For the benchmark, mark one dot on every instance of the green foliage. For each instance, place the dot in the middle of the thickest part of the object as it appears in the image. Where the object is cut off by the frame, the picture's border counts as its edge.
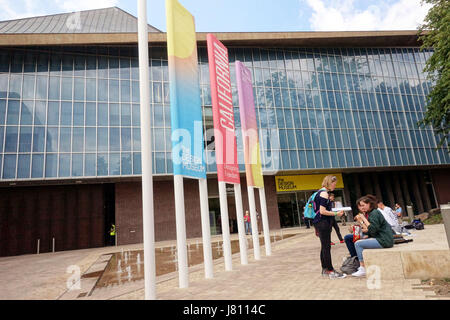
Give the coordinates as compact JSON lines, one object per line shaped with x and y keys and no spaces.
{"x":435,"y":33}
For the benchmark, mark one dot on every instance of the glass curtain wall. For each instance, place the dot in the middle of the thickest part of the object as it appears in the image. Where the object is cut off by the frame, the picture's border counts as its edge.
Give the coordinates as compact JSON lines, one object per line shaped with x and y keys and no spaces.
{"x":74,"y":111}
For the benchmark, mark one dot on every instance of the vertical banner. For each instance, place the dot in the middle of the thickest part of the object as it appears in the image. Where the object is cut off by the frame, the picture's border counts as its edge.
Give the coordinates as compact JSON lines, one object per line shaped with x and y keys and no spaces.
{"x":249,"y":126}
{"x":223,"y":116}
{"x":185,"y":103}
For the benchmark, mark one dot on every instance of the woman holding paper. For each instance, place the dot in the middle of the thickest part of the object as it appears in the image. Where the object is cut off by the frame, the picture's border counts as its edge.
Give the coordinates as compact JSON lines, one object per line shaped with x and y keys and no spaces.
{"x":323,"y":224}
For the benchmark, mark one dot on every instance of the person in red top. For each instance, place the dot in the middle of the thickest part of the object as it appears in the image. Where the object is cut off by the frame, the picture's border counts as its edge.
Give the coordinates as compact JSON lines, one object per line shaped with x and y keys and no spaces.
{"x":248,"y":227}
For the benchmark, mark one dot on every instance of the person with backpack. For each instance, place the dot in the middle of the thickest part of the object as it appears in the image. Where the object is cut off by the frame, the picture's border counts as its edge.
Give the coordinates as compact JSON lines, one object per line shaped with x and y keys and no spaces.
{"x":322,"y":220}
{"x":377,"y":229}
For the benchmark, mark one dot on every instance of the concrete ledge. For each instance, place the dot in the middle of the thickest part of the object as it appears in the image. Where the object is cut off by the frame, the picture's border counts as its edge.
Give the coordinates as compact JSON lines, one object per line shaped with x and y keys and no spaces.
{"x":428,"y":256}
{"x":397,"y":265}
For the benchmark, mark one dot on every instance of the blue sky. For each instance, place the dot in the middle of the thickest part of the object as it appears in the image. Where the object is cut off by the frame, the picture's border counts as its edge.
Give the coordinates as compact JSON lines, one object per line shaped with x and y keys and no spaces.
{"x":251,"y":15}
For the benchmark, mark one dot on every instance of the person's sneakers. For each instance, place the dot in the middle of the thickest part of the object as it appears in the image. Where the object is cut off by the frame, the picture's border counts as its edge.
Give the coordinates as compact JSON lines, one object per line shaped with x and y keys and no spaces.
{"x":332,"y":243}
{"x":342,"y":241}
{"x":333,"y":274}
{"x":360,"y":273}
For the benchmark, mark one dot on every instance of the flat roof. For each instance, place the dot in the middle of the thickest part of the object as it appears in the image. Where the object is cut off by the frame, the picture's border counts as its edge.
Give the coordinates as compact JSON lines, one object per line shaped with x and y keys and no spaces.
{"x":406,"y":38}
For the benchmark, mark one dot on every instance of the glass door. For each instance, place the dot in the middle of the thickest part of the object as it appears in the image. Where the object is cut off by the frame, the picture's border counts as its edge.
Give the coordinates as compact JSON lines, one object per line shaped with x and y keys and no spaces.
{"x":288,"y":210}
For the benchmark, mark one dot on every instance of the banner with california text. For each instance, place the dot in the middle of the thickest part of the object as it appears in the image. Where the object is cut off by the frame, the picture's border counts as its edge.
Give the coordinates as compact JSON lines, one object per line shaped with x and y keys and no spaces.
{"x":223,"y":115}
{"x":249,"y":126}
{"x":185,"y":103}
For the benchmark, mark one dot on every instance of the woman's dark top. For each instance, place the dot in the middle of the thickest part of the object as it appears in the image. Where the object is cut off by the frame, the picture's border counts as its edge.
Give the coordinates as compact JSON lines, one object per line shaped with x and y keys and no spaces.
{"x":319,"y":201}
{"x":380,"y":229}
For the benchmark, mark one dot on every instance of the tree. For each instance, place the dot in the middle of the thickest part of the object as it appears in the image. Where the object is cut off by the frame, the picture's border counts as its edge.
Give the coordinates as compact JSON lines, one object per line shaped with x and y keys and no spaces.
{"x":435,"y":33}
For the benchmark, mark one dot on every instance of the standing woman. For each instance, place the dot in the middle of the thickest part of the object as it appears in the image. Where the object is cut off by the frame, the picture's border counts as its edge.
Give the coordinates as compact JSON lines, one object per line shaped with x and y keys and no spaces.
{"x":323,"y":224}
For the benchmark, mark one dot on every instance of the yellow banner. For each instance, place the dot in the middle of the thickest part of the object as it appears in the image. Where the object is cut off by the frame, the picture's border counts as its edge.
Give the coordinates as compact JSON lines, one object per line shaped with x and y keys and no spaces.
{"x":305,"y":182}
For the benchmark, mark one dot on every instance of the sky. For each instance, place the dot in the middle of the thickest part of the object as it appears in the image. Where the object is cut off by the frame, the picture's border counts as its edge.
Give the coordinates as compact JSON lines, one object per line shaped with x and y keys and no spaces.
{"x":251,"y":15}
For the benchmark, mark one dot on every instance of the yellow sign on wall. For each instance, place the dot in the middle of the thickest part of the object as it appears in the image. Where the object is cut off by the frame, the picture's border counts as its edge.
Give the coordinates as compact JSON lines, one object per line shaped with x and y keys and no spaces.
{"x":305,"y":182}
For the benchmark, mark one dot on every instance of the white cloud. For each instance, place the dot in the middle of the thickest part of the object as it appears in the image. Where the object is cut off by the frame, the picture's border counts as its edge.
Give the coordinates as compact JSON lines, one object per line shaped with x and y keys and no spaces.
{"x":342,"y":15}
{"x":17,"y":9}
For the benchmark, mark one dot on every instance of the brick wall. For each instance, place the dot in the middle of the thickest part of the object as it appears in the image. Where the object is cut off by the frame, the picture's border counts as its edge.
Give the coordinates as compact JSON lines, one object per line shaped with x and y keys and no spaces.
{"x":129,"y":209}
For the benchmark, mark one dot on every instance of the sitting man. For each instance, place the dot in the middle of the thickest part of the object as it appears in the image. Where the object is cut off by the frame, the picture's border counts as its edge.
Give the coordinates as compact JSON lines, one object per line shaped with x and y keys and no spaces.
{"x":392,"y":219}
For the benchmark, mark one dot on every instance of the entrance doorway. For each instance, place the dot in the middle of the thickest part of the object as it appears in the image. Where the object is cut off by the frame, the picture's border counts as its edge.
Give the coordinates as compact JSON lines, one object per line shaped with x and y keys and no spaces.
{"x":291,"y":206}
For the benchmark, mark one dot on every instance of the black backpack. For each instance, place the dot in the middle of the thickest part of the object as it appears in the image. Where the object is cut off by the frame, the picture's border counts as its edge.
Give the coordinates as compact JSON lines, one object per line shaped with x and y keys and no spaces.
{"x":418,"y":224}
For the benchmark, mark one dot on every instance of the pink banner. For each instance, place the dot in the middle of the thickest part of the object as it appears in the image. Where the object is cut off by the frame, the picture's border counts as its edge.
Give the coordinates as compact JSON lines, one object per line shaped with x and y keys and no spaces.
{"x":223,"y":116}
{"x":249,"y":126}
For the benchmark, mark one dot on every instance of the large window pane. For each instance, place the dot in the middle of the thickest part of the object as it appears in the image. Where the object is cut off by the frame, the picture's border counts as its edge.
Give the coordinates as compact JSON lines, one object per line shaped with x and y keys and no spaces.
{"x":37,"y":168}
{"x":78,"y":139}
{"x":102,"y":92}
{"x":15,"y":86}
{"x":9,"y":166}
{"x":136,"y":115}
{"x":13,"y":112}
{"x":126,"y":164}
{"x":23,"y":166}
{"x":66,"y":88}
{"x":89,"y":165}
{"x":78,"y":114}
{"x":102,"y":164}
{"x":54,"y":88}
{"x":91,"y":139}
{"x":65,"y":139}
{"x":53,"y":113}
{"x":137,"y":168}
{"x":64,"y":165}
{"x":102,"y":141}
{"x":114,"y":139}
{"x":113,"y":90}
{"x":114,"y":117}
{"x":25,"y":139}
{"x":26,"y":113}
{"x":28,"y":87}
{"x":114,"y":164}
{"x":103,"y":114}
{"x":91,"y":90}
{"x":11,"y":139}
{"x":38,"y":139}
{"x":66,"y":114}
{"x":52,"y":140}
{"x":77,"y":165}
{"x":79,"y":89}
{"x":40,"y":112}
{"x":51,"y":165}
{"x":91,"y":114}
{"x":125,"y":91}
{"x":126,"y":139}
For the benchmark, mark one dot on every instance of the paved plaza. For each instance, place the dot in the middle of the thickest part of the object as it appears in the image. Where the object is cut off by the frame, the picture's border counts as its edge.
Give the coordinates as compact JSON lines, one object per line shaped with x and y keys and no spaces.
{"x":292,"y":272}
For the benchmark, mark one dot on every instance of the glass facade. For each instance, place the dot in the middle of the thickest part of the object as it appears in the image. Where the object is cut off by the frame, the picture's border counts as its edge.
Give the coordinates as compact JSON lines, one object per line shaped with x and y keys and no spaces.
{"x":74,"y":111}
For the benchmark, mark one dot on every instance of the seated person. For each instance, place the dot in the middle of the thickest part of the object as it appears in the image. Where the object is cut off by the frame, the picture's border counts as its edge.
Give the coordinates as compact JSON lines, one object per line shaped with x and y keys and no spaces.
{"x":378,"y":232}
{"x":392,"y":219}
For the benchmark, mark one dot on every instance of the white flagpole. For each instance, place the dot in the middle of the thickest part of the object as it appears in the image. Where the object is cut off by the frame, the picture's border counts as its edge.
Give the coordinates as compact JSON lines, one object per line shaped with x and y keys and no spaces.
{"x":265,"y":221}
{"x":146,"y":151}
{"x":183,"y":276}
{"x":254,"y":222}
{"x":206,"y":228}
{"x":225,"y":225}
{"x":240,"y":221}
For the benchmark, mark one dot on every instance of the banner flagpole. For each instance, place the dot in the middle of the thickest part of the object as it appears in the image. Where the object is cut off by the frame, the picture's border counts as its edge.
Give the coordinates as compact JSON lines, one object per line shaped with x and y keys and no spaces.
{"x":146,"y":150}
{"x":265,"y":221}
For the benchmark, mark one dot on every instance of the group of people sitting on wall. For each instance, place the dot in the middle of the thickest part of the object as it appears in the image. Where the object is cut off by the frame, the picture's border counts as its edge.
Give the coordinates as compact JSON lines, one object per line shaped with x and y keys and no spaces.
{"x":377,"y":222}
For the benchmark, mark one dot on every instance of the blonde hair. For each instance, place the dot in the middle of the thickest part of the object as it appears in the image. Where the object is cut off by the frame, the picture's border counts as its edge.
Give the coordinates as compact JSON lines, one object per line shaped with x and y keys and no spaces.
{"x":327,"y":181}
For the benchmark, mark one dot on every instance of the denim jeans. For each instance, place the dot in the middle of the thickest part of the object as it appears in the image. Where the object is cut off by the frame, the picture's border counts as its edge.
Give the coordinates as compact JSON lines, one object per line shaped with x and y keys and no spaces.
{"x":360,"y":245}
{"x":350,"y":245}
{"x":248,"y":228}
